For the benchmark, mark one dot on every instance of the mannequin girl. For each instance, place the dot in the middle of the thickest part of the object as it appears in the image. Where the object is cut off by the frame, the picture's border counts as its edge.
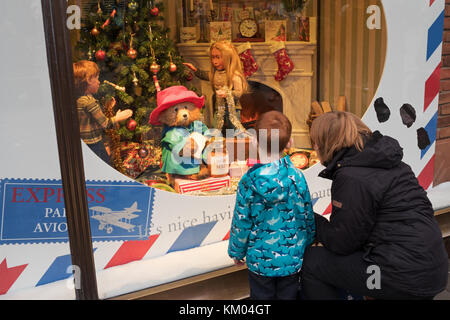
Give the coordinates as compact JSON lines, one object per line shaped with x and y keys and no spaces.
{"x":228,"y":82}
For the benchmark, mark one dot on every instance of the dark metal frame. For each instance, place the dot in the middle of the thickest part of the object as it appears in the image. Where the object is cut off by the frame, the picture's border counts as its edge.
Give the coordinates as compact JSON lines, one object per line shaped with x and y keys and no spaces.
{"x":59,"y":56}
{"x":319,"y":8}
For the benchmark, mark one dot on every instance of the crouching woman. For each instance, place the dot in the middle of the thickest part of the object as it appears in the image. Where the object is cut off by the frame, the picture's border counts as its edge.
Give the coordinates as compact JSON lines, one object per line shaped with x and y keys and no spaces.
{"x":382,"y":240}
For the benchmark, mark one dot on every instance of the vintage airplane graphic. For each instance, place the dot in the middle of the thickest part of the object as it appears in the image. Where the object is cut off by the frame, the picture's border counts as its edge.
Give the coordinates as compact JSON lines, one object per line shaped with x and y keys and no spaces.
{"x":109,"y":218}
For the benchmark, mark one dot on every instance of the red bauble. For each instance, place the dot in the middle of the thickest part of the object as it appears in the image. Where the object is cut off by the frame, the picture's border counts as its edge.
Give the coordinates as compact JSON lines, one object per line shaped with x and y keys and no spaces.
{"x":132,"y":53}
{"x":100,"y":55}
{"x":172,"y":67}
{"x":131,"y":124}
{"x":154,"y":11}
{"x":189,"y":76}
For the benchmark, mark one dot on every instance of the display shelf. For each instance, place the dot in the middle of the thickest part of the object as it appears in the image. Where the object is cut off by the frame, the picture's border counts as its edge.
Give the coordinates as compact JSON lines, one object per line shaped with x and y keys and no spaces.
{"x":224,"y":284}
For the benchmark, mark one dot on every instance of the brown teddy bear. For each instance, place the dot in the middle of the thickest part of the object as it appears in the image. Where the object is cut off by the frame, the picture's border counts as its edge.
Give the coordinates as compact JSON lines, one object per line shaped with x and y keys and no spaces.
{"x":183,"y":137}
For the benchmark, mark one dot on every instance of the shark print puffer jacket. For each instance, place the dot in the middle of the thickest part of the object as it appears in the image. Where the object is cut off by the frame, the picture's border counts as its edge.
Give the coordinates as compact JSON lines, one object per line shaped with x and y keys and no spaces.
{"x":273,"y":220}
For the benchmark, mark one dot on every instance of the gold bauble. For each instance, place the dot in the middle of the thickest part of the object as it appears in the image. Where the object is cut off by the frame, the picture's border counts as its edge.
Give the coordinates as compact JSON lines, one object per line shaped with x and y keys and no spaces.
{"x":154,"y":68}
{"x":132,"y":53}
{"x":95,"y":32}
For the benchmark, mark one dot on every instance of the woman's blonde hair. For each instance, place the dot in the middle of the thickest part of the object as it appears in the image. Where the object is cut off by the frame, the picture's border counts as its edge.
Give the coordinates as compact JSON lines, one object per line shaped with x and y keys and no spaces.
{"x":83,"y":71}
{"x":231,"y":62}
{"x":336,"y":130}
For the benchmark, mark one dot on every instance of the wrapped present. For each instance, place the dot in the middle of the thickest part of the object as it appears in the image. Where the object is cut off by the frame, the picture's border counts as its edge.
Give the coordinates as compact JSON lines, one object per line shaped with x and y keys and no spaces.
{"x":138,"y":156}
{"x":251,"y":162}
{"x":210,"y":184}
{"x":238,"y":168}
{"x":235,"y":183}
{"x":126,"y":147}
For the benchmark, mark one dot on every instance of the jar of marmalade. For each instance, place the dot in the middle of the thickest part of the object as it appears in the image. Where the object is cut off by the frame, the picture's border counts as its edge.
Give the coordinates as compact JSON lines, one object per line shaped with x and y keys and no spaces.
{"x":218,"y":159}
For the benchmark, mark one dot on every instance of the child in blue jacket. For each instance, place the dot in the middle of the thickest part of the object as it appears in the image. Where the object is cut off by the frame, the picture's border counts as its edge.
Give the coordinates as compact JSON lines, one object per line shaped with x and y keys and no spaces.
{"x":273,"y":220}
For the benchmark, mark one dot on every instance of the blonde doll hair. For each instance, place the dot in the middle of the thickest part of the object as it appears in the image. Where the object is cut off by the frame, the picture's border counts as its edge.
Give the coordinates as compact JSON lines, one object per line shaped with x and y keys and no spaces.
{"x":231,"y":62}
{"x":336,"y":130}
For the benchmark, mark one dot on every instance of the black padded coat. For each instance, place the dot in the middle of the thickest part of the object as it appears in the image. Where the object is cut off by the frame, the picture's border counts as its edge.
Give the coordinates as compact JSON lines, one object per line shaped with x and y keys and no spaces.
{"x":379,"y":207}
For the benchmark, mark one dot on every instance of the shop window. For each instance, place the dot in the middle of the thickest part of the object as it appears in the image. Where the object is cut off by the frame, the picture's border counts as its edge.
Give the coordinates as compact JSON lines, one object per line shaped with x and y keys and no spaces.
{"x":337,"y":49}
{"x":327,"y":53}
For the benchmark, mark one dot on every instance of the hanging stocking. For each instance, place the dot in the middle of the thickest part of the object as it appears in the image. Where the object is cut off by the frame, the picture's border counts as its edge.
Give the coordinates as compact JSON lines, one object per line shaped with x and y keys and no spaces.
{"x":285,"y":64}
{"x":248,"y":61}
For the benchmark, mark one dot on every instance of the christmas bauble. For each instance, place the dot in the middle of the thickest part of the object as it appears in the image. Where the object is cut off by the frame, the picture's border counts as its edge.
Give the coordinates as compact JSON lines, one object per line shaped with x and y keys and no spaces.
{"x":132,"y":5}
{"x":155,"y":68}
{"x":131,"y":124}
{"x":172,"y":67}
{"x":143,"y":152}
{"x":95,"y":32}
{"x":100,"y":55}
{"x":154,"y":11}
{"x":132,"y":53}
{"x":189,"y":76}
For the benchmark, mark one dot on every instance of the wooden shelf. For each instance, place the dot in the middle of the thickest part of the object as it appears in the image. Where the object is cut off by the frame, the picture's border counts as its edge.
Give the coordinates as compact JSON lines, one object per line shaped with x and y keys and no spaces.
{"x":229,"y":283}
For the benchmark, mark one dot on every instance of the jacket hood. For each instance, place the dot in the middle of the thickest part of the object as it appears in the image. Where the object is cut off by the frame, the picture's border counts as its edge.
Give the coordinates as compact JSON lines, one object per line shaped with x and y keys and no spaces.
{"x":272,"y":180}
{"x":379,"y":152}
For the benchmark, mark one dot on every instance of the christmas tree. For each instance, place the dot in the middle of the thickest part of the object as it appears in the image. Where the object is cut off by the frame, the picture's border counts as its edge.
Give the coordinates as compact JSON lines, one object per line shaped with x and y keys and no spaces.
{"x":130,"y":44}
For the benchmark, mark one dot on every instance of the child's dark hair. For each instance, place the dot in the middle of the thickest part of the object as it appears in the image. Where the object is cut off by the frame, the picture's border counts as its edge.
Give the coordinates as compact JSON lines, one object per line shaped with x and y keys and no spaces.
{"x":271,"y":122}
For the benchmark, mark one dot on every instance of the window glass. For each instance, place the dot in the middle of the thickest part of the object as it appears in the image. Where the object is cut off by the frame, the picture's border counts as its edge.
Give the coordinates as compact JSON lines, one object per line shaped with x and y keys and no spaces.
{"x":157,"y":67}
{"x":141,"y":49}
{"x":34,"y":243}
{"x":154,"y":101}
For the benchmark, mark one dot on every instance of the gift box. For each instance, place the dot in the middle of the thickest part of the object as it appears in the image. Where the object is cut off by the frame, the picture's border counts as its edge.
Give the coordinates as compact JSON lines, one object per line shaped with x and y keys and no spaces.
{"x":210,"y":184}
{"x":251,"y":162}
{"x":238,"y":168}
{"x":138,"y":156}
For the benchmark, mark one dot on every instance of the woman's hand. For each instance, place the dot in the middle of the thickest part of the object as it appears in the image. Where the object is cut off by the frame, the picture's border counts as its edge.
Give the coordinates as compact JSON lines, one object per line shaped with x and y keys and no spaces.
{"x":190,"y":66}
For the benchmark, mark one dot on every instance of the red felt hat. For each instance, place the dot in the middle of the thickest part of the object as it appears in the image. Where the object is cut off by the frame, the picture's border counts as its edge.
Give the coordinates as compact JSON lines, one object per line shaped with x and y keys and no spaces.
{"x":172,"y":96}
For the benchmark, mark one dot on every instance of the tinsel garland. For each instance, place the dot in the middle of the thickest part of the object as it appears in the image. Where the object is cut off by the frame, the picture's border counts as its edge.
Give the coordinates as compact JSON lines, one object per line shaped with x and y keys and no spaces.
{"x":231,"y":111}
{"x":115,"y":142}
